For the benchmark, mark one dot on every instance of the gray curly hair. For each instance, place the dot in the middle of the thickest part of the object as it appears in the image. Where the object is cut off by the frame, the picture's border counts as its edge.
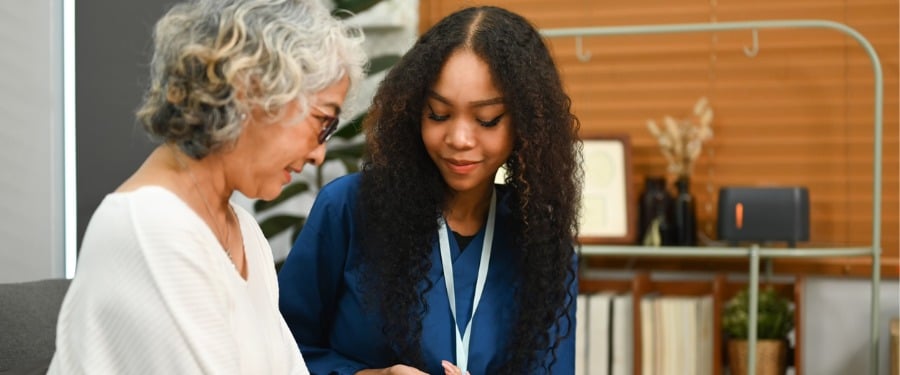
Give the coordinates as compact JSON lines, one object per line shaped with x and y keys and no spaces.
{"x":214,"y":60}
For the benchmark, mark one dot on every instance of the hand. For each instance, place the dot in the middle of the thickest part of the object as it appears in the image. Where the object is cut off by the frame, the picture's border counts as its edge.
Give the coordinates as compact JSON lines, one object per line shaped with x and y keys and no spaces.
{"x":393,"y":370}
{"x":451,"y":369}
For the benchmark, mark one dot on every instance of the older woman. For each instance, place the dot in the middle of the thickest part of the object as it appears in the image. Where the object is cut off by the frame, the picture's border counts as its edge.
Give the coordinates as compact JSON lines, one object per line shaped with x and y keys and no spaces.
{"x":172,"y":277}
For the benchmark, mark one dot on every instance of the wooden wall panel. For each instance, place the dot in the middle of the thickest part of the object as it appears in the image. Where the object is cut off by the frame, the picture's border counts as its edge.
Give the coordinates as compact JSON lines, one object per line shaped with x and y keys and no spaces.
{"x":798,"y":113}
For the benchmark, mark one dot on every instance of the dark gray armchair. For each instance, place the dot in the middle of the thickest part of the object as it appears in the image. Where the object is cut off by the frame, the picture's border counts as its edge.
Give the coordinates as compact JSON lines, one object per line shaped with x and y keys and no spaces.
{"x":28,"y":313}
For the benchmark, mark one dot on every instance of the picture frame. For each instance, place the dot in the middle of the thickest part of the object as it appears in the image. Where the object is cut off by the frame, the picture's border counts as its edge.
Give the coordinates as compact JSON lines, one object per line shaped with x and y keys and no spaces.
{"x":608,"y":213}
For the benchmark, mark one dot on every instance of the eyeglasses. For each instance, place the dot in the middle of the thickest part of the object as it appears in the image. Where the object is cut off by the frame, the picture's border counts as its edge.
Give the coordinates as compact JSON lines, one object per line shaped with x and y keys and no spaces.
{"x":328,"y":129}
{"x":329,"y":125}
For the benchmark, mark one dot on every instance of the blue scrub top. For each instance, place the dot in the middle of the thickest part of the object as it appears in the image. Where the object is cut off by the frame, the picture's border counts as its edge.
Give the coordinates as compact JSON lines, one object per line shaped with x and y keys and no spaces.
{"x":321,"y":300}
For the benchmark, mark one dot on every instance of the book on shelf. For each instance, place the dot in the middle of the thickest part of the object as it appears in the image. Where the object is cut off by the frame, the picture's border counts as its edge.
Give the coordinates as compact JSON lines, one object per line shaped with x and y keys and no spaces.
{"x":622,"y":348}
{"x":599,"y":307}
{"x":581,"y":322}
{"x":659,"y":340}
{"x":648,"y":344}
{"x":705,"y":336}
{"x":677,"y":335}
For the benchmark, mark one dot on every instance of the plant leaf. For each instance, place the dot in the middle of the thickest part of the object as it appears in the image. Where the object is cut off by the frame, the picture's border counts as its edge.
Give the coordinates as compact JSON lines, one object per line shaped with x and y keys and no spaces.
{"x":774,"y":319}
{"x":351,"y":164}
{"x":381,"y":63}
{"x":351,"y":129}
{"x":354,"y":6}
{"x":288,"y":192}
{"x":279,"y":223}
{"x":296,"y":232}
{"x":346,"y":151}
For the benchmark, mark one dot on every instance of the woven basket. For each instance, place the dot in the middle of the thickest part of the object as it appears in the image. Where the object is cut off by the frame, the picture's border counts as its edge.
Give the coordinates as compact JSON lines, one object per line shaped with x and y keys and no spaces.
{"x":771,"y":357}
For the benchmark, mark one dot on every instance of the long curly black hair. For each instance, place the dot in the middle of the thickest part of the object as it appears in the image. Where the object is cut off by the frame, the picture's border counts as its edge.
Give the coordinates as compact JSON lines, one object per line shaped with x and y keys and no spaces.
{"x":403,"y":194}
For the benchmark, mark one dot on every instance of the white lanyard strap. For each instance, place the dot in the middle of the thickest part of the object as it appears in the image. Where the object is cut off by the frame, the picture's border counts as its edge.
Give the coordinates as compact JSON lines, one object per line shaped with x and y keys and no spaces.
{"x":462,"y":341}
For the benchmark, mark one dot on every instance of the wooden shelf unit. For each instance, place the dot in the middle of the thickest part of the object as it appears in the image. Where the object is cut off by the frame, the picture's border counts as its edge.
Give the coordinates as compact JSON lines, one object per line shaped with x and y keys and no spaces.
{"x":718,"y":286}
{"x":754,"y":253}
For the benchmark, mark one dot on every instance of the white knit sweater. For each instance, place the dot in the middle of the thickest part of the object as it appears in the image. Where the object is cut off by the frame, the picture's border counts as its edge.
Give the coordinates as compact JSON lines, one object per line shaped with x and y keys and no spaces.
{"x":155,"y":293}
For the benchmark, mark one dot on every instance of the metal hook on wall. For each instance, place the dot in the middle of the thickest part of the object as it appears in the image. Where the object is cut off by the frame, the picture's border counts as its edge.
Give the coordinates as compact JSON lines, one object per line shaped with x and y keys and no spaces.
{"x":753,"y":50}
{"x":579,"y":50}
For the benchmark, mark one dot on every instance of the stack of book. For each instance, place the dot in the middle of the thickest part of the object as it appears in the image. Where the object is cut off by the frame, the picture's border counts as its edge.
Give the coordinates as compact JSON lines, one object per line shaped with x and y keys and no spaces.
{"x":676,"y":335}
{"x":604,"y":338}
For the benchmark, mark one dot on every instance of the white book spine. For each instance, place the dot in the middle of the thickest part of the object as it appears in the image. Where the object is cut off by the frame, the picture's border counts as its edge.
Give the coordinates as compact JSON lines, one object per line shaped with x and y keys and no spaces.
{"x":598,"y":334}
{"x":648,"y":343}
{"x":622,"y":361}
{"x":581,"y":324}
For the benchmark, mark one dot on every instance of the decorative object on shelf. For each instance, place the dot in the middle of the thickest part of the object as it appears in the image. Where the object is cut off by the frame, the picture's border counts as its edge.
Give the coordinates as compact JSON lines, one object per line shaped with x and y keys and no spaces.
{"x":764,"y":214}
{"x":684,"y":221}
{"x":655,"y":206}
{"x":681,"y":141}
{"x":774,"y":321}
{"x":607,"y":209}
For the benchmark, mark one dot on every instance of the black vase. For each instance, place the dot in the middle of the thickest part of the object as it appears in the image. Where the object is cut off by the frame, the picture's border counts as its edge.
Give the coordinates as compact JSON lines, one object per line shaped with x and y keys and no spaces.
{"x":656,"y":205}
{"x":684,"y":219}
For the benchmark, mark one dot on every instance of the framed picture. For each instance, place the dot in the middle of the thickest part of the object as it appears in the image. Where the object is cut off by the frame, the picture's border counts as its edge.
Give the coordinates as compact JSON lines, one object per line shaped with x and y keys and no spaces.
{"x":607,"y":201}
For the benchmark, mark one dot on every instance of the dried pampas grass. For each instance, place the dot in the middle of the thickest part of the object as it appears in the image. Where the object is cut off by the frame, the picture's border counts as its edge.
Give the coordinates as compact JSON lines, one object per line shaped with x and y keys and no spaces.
{"x":682,"y":140}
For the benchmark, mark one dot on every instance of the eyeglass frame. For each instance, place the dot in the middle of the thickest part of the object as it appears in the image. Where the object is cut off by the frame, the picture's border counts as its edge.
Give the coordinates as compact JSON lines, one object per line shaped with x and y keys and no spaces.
{"x":330,"y":127}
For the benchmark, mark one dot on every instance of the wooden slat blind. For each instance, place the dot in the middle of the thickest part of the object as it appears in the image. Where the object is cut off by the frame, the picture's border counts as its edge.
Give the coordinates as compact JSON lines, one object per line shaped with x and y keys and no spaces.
{"x":798,"y":113}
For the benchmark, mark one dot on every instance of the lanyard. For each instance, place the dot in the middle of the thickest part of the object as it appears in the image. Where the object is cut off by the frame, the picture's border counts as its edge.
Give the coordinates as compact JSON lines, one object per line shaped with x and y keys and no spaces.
{"x":462,"y":341}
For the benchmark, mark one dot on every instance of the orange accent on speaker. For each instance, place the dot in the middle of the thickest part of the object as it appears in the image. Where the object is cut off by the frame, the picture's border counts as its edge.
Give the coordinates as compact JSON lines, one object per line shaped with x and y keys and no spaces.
{"x":739,"y":215}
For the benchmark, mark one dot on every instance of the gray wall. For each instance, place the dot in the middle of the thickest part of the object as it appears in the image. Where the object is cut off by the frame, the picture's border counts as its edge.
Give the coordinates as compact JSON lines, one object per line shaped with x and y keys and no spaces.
{"x":31,"y":185}
{"x":836,"y":325}
{"x":113,"y":48}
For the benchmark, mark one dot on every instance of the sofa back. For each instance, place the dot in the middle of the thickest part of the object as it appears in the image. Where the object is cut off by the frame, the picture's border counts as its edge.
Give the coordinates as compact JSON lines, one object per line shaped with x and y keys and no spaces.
{"x":28,"y":315}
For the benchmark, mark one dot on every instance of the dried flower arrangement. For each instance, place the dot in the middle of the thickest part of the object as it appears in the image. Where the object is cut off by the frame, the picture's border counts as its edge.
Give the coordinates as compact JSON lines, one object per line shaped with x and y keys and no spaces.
{"x":682,"y":140}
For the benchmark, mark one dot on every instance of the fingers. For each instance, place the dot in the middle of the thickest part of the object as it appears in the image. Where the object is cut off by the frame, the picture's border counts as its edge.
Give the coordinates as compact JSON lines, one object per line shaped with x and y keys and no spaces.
{"x":405,"y":370}
{"x":450,"y":369}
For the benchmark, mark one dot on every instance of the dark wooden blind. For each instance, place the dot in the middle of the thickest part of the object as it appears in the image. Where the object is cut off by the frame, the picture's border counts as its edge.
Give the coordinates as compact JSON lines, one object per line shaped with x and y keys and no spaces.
{"x":799,"y":113}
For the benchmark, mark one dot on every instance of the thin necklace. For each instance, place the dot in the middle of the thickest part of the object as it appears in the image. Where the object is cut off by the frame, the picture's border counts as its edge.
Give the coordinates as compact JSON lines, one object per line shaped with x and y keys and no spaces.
{"x":208,"y":208}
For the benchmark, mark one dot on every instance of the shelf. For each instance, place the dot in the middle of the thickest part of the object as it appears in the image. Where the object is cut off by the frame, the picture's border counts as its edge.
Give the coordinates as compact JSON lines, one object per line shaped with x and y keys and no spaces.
{"x":724,"y":252}
{"x":718,"y":286}
{"x":755,"y":253}
{"x":857,"y":267}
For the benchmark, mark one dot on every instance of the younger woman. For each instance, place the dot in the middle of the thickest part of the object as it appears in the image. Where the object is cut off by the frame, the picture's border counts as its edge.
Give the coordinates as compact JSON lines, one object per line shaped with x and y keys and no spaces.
{"x":420,"y":262}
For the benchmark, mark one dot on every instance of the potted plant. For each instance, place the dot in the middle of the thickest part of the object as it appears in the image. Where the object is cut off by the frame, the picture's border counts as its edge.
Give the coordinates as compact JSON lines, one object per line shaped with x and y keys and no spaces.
{"x":775,"y":320}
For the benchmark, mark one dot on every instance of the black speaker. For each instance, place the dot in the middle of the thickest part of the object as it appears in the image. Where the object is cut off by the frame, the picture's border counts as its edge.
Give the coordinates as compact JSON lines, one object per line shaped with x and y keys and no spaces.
{"x":764,"y":214}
